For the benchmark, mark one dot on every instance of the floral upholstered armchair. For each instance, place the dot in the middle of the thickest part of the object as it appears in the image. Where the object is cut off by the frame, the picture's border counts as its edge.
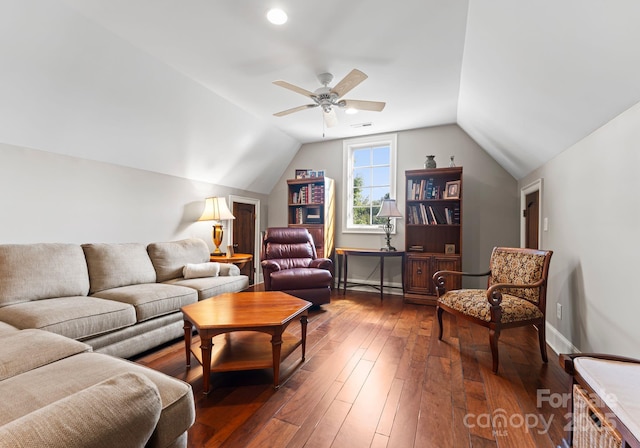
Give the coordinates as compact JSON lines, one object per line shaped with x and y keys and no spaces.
{"x":516,"y":295}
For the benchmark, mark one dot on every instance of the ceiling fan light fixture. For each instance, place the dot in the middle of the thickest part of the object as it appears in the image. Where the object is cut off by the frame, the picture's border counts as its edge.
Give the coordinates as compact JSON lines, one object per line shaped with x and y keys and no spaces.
{"x":277,"y":16}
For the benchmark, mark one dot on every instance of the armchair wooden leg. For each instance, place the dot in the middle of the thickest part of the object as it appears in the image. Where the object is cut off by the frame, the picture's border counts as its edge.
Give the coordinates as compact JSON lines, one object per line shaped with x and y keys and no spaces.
{"x":494,"y":335}
{"x":543,"y":341}
{"x":439,"y":312}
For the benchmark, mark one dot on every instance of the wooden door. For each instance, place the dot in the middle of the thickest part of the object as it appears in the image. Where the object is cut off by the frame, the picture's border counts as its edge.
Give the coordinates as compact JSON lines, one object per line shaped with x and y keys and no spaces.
{"x":532,"y":219}
{"x":244,"y":230}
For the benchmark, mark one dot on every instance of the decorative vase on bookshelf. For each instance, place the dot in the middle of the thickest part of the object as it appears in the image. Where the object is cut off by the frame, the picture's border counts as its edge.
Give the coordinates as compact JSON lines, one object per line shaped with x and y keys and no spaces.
{"x":430,"y":162}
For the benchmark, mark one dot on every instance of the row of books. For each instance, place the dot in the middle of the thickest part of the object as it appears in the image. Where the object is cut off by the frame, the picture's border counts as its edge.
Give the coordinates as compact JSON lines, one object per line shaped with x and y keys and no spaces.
{"x":308,"y":194}
{"x":422,"y":189}
{"x":421,"y":214}
{"x":309,"y":218}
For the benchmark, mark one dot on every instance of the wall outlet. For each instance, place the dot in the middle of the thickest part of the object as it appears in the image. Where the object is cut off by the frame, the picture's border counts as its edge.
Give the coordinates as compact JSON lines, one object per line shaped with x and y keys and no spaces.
{"x":559,"y":311}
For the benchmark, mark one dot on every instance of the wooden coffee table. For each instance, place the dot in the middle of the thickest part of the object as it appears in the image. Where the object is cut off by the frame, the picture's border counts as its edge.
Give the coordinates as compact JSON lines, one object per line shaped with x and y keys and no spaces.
{"x":245,"y":319}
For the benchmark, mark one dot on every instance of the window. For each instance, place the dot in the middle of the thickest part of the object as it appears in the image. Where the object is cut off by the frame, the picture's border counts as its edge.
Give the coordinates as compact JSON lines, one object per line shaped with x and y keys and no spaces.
{"x":369,"y":177}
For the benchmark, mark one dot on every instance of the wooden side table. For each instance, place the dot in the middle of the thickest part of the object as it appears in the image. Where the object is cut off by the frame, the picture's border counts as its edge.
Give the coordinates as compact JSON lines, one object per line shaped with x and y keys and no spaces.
{"x":238,"y":259}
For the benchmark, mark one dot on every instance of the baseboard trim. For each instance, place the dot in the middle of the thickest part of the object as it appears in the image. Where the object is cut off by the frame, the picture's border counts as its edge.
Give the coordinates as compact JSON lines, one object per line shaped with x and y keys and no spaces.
{"x":557,"y":341}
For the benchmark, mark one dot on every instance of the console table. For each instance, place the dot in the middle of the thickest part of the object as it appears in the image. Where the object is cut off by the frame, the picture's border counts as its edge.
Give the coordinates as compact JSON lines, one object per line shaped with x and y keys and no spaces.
{"x":343,"y":253}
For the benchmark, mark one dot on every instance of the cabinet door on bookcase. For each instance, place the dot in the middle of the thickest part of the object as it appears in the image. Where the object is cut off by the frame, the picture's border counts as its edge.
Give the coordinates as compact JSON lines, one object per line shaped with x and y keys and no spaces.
{"x":418,"y":269}
{"x":448,"y":263}
{"x":317,"y":232}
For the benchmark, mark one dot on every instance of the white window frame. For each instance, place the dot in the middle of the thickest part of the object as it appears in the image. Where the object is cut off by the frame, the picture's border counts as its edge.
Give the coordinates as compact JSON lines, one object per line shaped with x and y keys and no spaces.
{"x":348,"y":147}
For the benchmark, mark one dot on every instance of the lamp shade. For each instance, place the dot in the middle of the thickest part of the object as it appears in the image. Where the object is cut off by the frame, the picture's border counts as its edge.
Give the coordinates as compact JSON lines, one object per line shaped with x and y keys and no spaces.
{"x":388,"y":209}
{"x":215,"y":209}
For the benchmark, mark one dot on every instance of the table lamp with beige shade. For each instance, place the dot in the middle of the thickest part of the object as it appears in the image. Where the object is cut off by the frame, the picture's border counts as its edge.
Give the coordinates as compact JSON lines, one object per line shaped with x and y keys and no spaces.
{"x":215,"y":209}
{"x":388,"y":209}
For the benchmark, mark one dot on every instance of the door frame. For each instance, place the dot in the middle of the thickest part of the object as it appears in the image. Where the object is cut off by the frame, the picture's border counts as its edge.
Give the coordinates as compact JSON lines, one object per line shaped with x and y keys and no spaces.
{"x":257,"y":274}
{"x":534,"y":186}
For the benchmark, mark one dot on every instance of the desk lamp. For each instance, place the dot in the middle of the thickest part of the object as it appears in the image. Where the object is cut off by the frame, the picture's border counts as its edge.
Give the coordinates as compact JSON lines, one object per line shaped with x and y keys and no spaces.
{"x":215,"y":209}
{"x":388,"y":210}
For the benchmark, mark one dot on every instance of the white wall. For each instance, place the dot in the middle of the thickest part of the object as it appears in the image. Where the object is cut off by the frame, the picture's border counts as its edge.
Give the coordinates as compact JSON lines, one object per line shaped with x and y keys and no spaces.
{"x":71,"y":87}
{"x":490,"y":207}
{"x":591,"y":200}
{"x":47,"y":197}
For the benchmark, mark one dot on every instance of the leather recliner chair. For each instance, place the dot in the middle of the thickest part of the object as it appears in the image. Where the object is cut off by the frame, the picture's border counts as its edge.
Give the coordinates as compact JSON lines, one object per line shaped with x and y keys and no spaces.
{"x":290,"y":264}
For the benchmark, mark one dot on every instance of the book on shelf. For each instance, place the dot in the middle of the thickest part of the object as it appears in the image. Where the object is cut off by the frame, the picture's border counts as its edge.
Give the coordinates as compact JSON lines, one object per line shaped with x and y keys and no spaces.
{"x":416,"y":248}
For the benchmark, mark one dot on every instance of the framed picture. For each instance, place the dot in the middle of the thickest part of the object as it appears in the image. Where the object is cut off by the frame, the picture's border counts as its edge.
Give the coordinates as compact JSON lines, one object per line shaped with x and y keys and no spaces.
{"x":320,"y":173}
{"x":452,"y":190}
{"x":301,"y":174}
{"x":313,"y":174}
{"x":230,"y":252}
{"x":449,"y":248}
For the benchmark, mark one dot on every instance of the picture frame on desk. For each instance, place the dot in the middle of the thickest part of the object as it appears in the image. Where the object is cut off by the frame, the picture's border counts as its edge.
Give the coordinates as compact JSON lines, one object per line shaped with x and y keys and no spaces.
{"x":320,"y":173}
{"x":449,"y":248}
{"x":302,"y":174}
{"x":230,"y":252}
{"x":452,"y":190}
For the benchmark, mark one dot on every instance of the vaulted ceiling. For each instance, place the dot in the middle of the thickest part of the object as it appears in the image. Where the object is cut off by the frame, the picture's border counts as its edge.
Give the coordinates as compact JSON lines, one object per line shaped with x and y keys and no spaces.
{"x":525,"y":79}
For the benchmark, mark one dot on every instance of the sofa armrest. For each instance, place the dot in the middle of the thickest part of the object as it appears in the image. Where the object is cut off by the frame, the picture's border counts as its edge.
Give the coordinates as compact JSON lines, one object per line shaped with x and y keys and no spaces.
{"x":121,"y":411}
{"x":270,"y":265}
{"x":322,"y":263}
{"x":229,"y":270}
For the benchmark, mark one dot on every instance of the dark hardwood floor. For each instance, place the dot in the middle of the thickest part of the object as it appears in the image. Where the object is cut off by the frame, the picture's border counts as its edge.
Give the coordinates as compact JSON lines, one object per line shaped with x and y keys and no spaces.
{"x":377,"y":376}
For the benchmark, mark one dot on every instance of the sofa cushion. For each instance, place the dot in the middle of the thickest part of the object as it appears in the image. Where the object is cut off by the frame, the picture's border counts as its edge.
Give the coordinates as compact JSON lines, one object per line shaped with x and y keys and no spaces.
{"x":41,"y":271}
{"x":74,"y":317}
{"x":121,"y":411}
{"x":5,"y":328}
{"x":32,"y":390}
{"x":199,"y":270}
{"x":25,"y":350}
{"x":115,"y":265}
{"x":169,"y":258}
{"x":213,"y":286}
{"x":151,"y":299}
{"x":300,"y":278}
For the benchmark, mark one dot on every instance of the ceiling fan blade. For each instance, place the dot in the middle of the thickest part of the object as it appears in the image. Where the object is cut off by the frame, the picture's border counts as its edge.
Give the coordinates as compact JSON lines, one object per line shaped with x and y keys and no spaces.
{"x":350,"y":81}
{"x":295,"y":109}
{"x":330,"y":118}
{"x":375,"y":106}
{"x":296,"y":89}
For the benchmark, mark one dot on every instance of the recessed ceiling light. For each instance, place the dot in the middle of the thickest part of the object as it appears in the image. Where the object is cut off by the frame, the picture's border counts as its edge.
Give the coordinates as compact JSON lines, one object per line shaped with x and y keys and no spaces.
{"x":350,"y":111}
{"x":277,"y":16}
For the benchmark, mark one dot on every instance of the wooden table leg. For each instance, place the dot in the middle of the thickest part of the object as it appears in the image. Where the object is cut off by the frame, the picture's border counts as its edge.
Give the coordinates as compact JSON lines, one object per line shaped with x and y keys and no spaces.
{"x":188,"y":327}
{"x":303,"y":325}
{"x":205,"y":347}
{"x":381,"y":276}
{"x":339,"y":260}
{"x":276,"y":347}
{"x":344,"y":280}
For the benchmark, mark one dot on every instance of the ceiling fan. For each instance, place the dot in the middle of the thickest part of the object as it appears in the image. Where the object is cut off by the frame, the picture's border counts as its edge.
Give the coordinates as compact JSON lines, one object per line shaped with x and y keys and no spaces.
{"x":330,"y":97}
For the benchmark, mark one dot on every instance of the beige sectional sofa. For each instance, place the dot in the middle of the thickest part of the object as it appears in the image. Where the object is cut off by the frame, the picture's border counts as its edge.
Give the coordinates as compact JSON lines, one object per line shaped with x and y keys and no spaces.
{"x":57,"y":393}
{"x":121,"y":299}
{"x":66,"y":310}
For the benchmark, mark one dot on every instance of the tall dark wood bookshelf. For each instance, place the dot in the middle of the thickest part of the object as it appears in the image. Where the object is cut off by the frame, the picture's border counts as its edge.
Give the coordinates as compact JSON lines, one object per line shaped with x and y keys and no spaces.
{"x":433,"y":230}
{"x":311,"y":204}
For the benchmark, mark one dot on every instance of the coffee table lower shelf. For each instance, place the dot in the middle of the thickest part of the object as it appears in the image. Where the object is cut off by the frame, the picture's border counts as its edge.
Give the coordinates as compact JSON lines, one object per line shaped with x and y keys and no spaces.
{"x":245,"y":350}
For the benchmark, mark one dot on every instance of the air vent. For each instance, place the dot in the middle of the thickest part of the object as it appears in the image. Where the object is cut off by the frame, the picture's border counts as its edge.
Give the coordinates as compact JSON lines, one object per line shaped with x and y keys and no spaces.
{"x":361,"y":125}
